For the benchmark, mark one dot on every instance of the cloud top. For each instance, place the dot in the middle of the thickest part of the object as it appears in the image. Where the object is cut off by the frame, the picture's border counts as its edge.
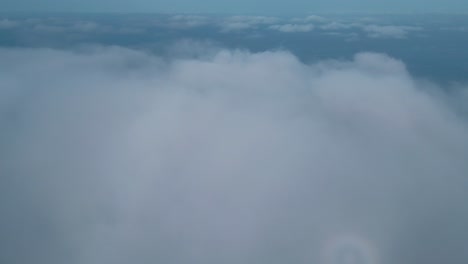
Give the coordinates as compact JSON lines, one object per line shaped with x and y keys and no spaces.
{"x":111,"y":155}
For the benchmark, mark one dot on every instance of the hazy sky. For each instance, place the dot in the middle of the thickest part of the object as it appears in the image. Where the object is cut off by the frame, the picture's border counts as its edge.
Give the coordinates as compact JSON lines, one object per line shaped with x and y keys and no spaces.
{"x":240,"y":6}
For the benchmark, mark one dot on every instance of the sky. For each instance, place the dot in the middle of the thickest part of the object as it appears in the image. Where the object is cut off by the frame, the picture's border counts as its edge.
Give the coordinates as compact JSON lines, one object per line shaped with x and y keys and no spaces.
{"x":241,"y":6}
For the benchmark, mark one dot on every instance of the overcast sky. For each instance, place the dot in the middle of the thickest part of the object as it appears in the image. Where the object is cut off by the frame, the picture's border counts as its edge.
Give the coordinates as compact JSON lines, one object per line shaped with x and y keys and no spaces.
{"x":240,"y":6}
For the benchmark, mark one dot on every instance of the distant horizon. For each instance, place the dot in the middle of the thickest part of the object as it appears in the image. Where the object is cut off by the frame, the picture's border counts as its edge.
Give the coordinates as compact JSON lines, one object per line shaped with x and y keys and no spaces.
{"x":238,"y":7}
{"x":286,"y":14}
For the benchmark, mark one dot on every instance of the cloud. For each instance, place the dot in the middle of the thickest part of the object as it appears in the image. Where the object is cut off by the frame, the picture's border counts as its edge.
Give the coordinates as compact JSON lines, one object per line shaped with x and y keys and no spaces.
{"x":8,"y":24}
{"x":367,"y":26}
{"x":72,"y":28}
{"x":89,"y":27}
{"x":253,"y":19}
{"x":338,"y":26}
{"x":316,"y":18}
{"x":238,"y":23}
{"x":235,"y":26}
{"x":399,"y":32}
{"x":311,"y":18}
{"x":457,"y":28}
{"x":111,"y":155}
{"x":50,"y":28}
{"x":290,"y":28}
{"x":348,"y":36}
{"x":188,"y":21}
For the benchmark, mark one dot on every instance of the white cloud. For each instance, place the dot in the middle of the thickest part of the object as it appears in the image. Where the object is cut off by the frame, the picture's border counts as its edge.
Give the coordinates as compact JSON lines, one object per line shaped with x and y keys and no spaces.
{"x":290,"y":28}
{"x":117,"y":156}
{"x":378,"y":31}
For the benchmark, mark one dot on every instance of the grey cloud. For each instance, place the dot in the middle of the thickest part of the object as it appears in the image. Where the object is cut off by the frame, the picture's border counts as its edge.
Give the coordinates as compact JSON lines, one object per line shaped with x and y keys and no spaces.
{"x":112,"y":155}
{"x":458,"y":28}
{"x":347,"y":36}
{"x":188,"y":21}
{"x":238,"y":23}
{"x":253,"y":19}
{"x":73,"y":27}
{"x":335,"y":25}
{"x":93,"y":27}
{"x":310,"y":18}
{"x":8,"y":23}
{"x":372,"y":30}
{"x":235,"y":26}
{"x":62,"y":25}
{"x":316,"y":18}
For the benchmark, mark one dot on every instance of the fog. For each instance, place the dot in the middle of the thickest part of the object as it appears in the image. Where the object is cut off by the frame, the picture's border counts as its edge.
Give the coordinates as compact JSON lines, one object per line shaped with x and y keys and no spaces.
{"x":112,"y":155}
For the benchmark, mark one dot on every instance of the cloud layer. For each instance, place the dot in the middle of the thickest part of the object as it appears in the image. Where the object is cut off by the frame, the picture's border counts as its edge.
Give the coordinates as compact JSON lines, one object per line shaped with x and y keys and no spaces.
{"x":376,"y":31}
{"x":289,"y":28}
{"x":111,"y":155}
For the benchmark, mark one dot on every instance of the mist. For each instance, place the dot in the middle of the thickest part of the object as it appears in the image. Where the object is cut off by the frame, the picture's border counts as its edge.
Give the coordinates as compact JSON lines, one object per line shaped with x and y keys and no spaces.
{"x":113,"y":155}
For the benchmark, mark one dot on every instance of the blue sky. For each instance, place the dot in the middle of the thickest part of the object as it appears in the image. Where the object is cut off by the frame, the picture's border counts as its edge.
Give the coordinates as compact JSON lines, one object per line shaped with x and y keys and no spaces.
{"x":240,"y":6}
